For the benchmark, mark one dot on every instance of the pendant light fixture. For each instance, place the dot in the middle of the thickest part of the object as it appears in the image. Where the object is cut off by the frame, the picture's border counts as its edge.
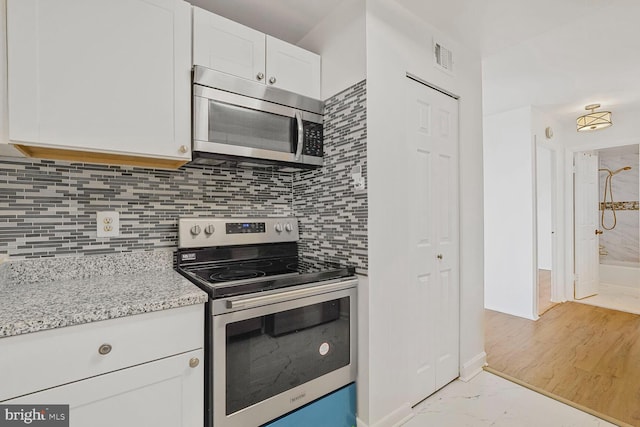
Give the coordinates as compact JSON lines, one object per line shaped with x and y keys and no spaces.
{"x":594,"y":120}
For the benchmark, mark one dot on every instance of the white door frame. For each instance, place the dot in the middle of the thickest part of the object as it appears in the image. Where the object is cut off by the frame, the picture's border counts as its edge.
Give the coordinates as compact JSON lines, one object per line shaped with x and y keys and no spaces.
{"x":569,"y":223}
{"x":555,"y":221}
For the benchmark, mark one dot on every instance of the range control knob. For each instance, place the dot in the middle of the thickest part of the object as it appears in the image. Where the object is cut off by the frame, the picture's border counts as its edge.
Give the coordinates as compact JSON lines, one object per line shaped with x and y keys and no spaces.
{"x":288,"y":227}
{"x":209,"y":229}
{"x":278,"y":227}
{"x":195,"y":230}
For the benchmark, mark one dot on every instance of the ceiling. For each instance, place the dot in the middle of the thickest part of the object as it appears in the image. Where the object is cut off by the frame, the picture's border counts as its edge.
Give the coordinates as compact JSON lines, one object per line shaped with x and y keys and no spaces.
{"x":558,"y":55}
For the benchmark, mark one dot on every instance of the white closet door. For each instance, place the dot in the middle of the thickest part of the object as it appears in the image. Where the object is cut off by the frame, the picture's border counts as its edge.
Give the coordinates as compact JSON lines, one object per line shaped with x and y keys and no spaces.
{"x":432,"y":132}
{"x":587,"y":277}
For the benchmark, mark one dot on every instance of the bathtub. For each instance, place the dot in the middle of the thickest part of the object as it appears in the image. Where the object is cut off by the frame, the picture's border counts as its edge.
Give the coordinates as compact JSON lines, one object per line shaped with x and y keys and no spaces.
{"x":621,"y":274}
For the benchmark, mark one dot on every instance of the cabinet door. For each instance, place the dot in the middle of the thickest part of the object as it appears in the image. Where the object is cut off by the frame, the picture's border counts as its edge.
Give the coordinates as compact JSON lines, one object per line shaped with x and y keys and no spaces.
{"x":102,"y":76}
{"x":225,"y":45}
{"x":164,"y":393}
{"x":292,"y":68}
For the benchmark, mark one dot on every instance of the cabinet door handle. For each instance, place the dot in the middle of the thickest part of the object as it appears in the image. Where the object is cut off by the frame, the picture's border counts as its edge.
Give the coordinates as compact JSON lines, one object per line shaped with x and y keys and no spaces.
{"x":193,"y":362}
{"x":104,"y":349}
{"x":272,"y":80}
{"x":184,"y":149}
{"x":439,"y":256}
{"x":260,"y":76}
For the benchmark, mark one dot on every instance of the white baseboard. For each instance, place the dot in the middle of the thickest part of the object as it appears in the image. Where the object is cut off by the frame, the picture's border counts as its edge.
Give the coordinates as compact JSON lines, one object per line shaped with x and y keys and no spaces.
{"x":394,"y":419}
{"x":473,"y":367}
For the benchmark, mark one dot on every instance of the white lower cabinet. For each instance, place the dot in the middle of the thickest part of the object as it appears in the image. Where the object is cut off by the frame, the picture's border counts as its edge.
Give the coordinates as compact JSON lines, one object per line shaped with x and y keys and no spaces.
{"x":164,"y":393}
{"x":135,"y":371}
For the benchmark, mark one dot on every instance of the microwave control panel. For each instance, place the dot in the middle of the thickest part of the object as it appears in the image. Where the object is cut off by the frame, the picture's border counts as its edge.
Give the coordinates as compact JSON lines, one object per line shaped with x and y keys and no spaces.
{"x":312,"y":139}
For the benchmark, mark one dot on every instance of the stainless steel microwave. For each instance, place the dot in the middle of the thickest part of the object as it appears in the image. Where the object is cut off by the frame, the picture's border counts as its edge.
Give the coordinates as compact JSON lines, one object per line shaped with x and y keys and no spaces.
{"x":245,"y":123}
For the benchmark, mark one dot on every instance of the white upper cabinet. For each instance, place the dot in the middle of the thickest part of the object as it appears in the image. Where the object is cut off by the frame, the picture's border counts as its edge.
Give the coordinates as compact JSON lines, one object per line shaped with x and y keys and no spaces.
{"x":293,"y":68}
{"x":225,"y":45}
{"x":97,"y":76}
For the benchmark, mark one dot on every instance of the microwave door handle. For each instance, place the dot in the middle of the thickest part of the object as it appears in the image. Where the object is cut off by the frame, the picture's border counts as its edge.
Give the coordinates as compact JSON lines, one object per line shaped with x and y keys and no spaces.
{"x":298,"y":116}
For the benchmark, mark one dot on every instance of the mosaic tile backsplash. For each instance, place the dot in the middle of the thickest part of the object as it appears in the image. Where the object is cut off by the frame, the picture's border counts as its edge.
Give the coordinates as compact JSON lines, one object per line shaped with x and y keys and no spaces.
{"x":333,"y":216}
{"x":48,"y":208}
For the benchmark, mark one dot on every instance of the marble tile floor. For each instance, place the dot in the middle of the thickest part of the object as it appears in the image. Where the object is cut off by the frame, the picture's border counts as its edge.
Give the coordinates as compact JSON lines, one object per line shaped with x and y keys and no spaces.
{"x":489,"y":400}
{"x":615,"y":297}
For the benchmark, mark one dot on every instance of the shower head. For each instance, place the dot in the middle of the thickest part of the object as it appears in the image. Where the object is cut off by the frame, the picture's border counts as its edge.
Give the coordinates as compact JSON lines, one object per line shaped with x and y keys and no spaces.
{"x":626,"y":168}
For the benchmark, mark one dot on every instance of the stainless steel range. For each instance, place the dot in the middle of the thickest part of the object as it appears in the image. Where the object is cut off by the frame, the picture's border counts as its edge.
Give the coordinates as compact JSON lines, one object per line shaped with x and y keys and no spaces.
{"x":281,"y":331}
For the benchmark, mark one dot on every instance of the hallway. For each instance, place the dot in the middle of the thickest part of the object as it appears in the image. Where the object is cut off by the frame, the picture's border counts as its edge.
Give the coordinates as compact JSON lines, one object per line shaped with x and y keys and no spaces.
{"x":587,"y":355}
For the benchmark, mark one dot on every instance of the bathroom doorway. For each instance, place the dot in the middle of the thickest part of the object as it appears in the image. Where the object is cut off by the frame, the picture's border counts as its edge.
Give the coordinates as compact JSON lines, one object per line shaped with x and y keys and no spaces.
{"x":607,"y":228}
{"x":545,"y":225}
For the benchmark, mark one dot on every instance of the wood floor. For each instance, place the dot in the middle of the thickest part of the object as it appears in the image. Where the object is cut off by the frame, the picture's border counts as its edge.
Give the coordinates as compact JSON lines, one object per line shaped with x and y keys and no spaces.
{"x":585,"y":354}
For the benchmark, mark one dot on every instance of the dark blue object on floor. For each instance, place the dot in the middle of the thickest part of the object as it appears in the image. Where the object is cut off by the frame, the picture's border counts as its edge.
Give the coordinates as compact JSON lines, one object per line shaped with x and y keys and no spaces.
{"x":337,"y":409}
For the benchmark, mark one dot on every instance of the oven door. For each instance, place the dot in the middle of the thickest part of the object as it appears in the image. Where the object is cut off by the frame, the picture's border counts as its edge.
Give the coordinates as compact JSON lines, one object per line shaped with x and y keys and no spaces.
{"x":229,"y":126}
{"x":271,"y":359}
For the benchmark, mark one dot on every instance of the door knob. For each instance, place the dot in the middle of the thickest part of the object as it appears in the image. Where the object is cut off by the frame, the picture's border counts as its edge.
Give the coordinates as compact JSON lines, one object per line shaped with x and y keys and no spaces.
{"x":599,"y":232}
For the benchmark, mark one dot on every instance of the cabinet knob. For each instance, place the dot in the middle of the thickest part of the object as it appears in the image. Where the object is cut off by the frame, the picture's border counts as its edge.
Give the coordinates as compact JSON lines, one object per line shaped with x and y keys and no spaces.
{"x":439,"y":256}
{"x":260,"y":76}
{"x":599,"y":232}
{"x":184,"y":149}
{"x":193,"y":362}
{"x":104,"y":349}
{"x":272,"y":80}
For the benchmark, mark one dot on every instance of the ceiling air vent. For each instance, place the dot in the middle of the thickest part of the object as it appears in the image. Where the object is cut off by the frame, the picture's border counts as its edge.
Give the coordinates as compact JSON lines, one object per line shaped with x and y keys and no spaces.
{"x":443,"y":57}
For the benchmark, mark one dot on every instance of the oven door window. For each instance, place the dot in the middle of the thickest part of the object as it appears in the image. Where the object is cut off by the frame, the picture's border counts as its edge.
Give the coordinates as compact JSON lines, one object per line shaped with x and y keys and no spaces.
{"x":268,"y":355}
{"x":236,"y":125}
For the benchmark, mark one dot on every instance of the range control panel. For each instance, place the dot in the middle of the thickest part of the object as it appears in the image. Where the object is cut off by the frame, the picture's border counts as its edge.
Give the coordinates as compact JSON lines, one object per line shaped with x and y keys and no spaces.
{"x":207,"y":232}
{"x":246,"y":227}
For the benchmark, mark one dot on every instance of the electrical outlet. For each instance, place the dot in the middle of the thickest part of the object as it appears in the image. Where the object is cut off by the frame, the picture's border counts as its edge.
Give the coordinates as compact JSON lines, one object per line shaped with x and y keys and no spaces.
{"x":357,"y":180}
{"x":108,"y":224}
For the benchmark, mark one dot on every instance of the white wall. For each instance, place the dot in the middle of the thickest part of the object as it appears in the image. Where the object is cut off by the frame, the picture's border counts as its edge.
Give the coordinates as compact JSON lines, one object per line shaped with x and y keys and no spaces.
{"x":508,"y":213}
{"x":398,"y":43}
{"x":341,"y":41}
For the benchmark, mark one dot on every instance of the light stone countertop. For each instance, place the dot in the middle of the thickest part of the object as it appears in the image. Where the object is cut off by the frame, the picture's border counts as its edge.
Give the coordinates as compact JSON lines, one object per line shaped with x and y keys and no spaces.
{"x":37,"y":295}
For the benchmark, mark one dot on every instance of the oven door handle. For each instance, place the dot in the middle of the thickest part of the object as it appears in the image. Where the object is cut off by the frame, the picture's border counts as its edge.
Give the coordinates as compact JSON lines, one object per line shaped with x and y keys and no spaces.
{"x":251,"y":302}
